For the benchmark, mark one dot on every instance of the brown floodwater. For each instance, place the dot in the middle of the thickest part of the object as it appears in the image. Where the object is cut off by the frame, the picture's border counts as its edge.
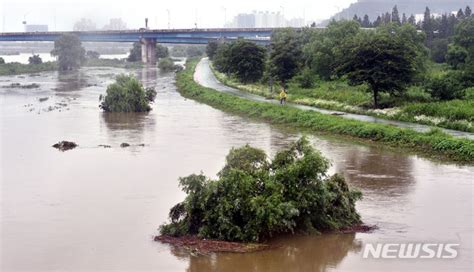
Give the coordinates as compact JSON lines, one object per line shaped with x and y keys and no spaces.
{"x":97,"y":209}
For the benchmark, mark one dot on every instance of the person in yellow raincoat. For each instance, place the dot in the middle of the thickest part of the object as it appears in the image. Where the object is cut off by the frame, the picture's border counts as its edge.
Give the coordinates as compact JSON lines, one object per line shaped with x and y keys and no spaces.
{"x":283,"y":96}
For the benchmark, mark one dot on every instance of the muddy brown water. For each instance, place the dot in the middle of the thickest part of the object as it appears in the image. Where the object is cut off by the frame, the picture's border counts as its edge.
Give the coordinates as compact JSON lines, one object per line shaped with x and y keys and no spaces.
{"x":97,"y":209}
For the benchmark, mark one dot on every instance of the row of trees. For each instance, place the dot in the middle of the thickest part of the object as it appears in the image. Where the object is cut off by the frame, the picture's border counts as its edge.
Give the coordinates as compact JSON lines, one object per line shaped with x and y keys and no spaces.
{"x":439,"y":30}
{"x":386,"y":59}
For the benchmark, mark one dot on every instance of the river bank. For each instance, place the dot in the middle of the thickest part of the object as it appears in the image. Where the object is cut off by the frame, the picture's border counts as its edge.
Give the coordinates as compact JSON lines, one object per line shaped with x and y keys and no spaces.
{"x":433,"y":143}
{"x":416,"y":107}
{"x":9,"y":69}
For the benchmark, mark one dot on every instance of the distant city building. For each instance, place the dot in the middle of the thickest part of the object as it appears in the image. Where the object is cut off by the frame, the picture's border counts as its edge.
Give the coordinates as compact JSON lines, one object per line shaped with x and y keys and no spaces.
{"x":245,"y":20}
{"x":263,"y":19}
{"x":36,"y":28}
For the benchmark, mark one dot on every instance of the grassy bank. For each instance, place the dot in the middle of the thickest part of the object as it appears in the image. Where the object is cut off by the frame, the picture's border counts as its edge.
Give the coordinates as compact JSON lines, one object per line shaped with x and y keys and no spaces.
{"x":8,"y":69}
{"x":117,"y":63}
{"x":415,"y":106}
{"x":434,"y":143}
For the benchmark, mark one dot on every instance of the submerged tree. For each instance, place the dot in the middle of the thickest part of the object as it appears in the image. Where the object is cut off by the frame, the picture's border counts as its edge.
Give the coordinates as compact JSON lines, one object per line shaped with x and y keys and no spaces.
{"x":70,"y":53}
{"x":35,"y":59}
{"x":136,"y":52}
{"x":254,"y":198}
{"x":127,"y":95}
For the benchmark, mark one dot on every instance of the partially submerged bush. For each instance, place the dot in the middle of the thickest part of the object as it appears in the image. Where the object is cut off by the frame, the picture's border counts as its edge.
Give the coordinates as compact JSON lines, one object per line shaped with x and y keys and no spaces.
{"x":254,"y":198}
{"x":35,"y":59}
{"x":126,"y":95}
{"x":166,"y":65}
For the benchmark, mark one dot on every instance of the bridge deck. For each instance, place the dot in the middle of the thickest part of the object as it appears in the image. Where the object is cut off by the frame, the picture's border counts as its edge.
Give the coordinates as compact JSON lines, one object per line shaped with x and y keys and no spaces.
{"x":197,"y":36}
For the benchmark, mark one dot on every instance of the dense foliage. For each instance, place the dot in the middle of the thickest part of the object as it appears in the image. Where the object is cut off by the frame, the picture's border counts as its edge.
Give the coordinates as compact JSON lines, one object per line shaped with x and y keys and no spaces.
{"x":2,"y":60}
{"x":166,"y":65}
{"x":69,"y":51}
{"x":127,"y":95}
{"x":254,"y":198}
{"x":384,"y":60}
{"x":211,"y":49}
{"x":35,"y":59}
{"x":432,"y":143}
{"x":136,"y":52}
{"x":286,"y":54}
{"x":243,"y":59}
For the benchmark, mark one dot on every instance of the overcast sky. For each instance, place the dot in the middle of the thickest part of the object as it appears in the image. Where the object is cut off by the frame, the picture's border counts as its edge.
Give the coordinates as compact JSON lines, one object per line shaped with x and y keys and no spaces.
{"x":61,"y":14}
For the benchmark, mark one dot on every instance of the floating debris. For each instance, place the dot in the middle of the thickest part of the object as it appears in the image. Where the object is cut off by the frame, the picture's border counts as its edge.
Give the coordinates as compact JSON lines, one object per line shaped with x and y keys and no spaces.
{"x":19,"y":85}
{"x":65,"y":145}
{"x":42,"y":99}
{"x":124,"y":145}
{"x":104,"y":146}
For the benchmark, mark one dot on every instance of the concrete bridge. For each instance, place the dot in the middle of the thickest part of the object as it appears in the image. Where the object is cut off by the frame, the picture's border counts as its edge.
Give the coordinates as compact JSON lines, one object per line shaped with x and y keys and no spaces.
{"x":149,"y":37}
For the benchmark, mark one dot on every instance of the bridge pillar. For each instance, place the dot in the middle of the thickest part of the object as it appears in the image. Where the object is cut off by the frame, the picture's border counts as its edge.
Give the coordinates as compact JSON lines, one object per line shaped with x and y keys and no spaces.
{"x":148,"y":51}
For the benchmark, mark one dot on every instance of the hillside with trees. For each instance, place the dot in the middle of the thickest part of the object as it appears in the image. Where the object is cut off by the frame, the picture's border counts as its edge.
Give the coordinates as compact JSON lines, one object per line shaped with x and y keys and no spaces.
{"x":374,"y":8}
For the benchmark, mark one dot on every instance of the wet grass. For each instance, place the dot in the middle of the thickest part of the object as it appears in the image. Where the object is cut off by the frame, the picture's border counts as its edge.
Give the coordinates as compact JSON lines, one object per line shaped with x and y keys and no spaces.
{"x":435,"y":143}
{"x":18,"y":68}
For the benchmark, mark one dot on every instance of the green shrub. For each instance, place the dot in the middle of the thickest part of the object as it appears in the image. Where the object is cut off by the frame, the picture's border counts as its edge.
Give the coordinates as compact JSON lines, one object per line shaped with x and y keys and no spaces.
{"x":166,"y":65}
{"x":35,"y":59}
{"x":305,"y":79}
{"x":254,"y":199}
{"x":469,"y":93}
{"x":150,"y":94}
{"x":126,"y":95}
{"x":447,"y":87}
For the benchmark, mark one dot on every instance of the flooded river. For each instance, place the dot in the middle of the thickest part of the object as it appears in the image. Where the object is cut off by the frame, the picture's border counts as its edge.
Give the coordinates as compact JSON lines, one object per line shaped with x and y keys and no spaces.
{"x":97,"y":209}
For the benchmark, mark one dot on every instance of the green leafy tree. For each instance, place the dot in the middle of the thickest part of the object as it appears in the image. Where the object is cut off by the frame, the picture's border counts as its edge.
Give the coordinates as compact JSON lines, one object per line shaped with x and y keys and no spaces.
{"x":468,"y":11}
{"x":366,"y":22}
{"x":221,"y":58}
{"x":247,"y":61}
{"x":383,"y":61}
{"x":254,"y":198}
{"x":439,"y":49}
{"x":135,"y":53}
{"x":2,"y":60}
{"x":286,"y":54}
{"x":161,"y":51}
{"x":395,"y":15}
{"x":427,"y":25}
{"x":35,"y":59}
{"x":456,"y":56}
{"x":211,"y":49}
{"x":126,"y":94}
{"x":244,"y":59}
{"x":447,"y":87}
{"x":69,"y":51}
{"x":324,"y":50}
{"x":166,"y":65}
